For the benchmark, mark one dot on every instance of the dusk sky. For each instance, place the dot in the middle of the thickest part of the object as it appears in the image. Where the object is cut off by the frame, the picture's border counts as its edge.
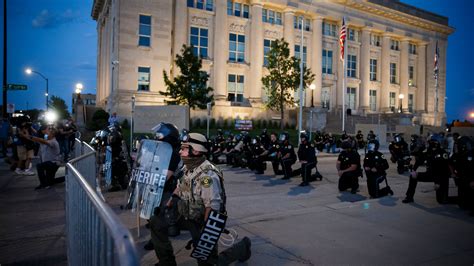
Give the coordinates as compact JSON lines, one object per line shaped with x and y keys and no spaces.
{"x":59,"y":39}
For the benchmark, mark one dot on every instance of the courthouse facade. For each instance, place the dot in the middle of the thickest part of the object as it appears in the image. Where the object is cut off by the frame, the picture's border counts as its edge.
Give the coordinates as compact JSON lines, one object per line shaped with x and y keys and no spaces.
{"x":390,"y":52}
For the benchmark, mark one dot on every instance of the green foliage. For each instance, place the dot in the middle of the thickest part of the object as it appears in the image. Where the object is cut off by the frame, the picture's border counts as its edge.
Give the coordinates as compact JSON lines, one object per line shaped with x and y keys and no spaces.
{"x":197,"y":123}
{"x":212,"y":123}
{"x":59,"y":106}
{"x":99,"y":120}
{"x":125,"y":124}
{"x":283,"y":78}
{"x":264,"y":123}
{"x":190,"y":86}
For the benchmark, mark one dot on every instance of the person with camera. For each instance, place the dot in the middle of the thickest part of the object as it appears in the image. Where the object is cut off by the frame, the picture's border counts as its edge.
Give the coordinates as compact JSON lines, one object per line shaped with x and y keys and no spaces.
{"x":199,"y":192}
{"x":375,"y":165}
{"x":49,"y":154}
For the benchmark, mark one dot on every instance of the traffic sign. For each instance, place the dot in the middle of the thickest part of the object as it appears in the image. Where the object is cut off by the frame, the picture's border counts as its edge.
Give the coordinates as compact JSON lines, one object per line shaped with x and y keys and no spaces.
{"x":17,"y":87}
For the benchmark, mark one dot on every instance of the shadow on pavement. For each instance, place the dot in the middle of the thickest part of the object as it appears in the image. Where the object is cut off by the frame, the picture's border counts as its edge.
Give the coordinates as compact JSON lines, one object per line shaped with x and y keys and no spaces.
{"x":295,"y":191}
{"x":348,"y":197}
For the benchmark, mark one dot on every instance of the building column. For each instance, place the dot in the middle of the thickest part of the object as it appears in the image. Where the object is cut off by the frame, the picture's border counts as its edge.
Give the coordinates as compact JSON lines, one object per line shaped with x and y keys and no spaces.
{"x":316,"y":62}
{"x":364,"y":71}
{"x":420,"y":79}
{"x":385,"y":72}
{"x":289,"y":30}
{"x":430,"y":81}
{"x":256,"y":53}
{"x":404,"y":76}
{"x":180,"y":32}
{"x":221,"y":46}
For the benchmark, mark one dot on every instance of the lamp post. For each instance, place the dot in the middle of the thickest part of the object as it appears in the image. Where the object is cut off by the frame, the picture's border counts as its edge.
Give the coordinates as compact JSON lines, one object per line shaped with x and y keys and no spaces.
{"x":312,"y":87}
{"x":400,"y":98}
{"x":79,"y":88}
{"x":29,"y":71}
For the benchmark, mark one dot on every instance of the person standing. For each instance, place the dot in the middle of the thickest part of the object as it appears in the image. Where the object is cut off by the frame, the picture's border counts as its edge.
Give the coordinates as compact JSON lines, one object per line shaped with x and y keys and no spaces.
{"x":199,"y":191}
{"x":462,"y":167}
{"x":437,"y":171}
{"x":348,"y":168}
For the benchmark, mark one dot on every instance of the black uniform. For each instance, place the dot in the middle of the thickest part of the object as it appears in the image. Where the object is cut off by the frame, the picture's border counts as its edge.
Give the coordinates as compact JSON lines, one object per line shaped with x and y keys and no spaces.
{"x":360,"y":140}
{"x":258,"y":160}
{"x":463,"y":169}
{"x":319,"y":141}
{"x":349,"y":179}
{"x":400,"y":155}
{"x":307,"y":153}
{"x":375,"y":159}
{"x":273,"y":152}
{"x":437,"y":171}
{"x":286,"y":163}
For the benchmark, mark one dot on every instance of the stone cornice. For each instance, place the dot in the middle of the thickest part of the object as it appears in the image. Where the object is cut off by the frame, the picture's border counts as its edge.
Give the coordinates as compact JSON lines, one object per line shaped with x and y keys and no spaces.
{"x":374,"y":9}
{"x":96,"y":8}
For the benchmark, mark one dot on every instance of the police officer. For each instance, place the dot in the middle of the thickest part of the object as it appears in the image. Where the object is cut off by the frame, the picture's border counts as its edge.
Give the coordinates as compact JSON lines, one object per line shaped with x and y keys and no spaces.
{"x":258,"y":156}
{"x":463,"y":171}
{"x":348,"y":168}
{"x":307,"y":157}
{"x":199,"y":191}
{"x":318,"y":141}
{"x":287,"y":155}
{"x":360,"y":140}
{"x":264,"y":138}
{"x":375,"y":165}
{"x":164,"y":219}
{"x":436,"y":160}
{"x":400,"y":154}
{"x":271,"y":153}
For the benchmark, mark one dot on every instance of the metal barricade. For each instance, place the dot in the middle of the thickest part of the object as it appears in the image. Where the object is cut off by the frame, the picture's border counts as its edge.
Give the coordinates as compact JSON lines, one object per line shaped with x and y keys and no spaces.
{"x":95,"y":235}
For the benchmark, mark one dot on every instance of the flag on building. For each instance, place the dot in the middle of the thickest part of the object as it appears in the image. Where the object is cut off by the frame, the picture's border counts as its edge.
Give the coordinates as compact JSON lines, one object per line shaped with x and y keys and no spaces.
{"x":342,"y":38}
{"x":436,"y":62}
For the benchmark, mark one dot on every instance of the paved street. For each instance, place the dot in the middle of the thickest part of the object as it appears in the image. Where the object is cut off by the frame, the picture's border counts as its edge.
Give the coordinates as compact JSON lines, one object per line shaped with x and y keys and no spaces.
{"x":288,"y":224}
{"x":317,"y":225}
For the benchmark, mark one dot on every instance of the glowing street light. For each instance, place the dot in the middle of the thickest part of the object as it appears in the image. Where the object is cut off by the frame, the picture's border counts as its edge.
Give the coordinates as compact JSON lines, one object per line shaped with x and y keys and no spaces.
{"x":29,"y":71}
{"x":312,"y":87}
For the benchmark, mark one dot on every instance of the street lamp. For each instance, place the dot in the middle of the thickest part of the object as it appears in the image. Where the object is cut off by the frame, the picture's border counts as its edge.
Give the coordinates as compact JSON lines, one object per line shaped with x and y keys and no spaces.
{"x":400,"y":97}
{"x":29,"y":71}
{"x":312,"y":87}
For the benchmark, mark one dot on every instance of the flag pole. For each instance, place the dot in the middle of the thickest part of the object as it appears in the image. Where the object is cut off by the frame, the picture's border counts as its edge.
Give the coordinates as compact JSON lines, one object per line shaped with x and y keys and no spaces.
{"x":436,"y":76}
{"x":344,"y":78}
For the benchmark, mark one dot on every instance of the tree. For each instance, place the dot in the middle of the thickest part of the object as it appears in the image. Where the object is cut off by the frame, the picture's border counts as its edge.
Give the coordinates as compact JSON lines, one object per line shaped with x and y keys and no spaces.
{"x":190,"y":87}
{"x":59,"y":106}
{"x":283,"y":78}
{"x":99,"y":120}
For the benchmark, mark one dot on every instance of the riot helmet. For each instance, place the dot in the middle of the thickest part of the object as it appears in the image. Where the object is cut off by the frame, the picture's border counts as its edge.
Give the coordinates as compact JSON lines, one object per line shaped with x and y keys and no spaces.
{"x":398,"y":138}
{"x":346,"y":145}
{"x":168,"y":133}
{"x":434,"y":141}
{"x":196,"y":141}
{"x":284,"y":136}
{"x":373,"y":145}
{"x":303,"y":136}
{"x":238,"y":137}
{"x":183,"y":133}
{"x":464,"y":145}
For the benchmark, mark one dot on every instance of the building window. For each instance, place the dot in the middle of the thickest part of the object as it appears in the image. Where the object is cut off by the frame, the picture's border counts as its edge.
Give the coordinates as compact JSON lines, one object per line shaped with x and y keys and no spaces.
{"x":144,"y":31}
{"x":393,"y":73}
{"x":298,"y":54}
{"x":199,"y":40}
{"x":375,"y":40}
{"x":373,"y":100}
{"x":373,"y":69}
{"x":143,"y":79}
{"x":329,"y":29}
{"x":394,"y":45}
{"x":267,"y":46}
{"x":353,"y":35}
{"x":351,"y":66}
{"x":412,"y":48}
{"x":235,"y":88}
{"x":237,"y":9}
{"x":327,"y":61}
{"x":298,"y":20}
{"x":236,"y":47}
{"x":351,"y":98}
{"x":202,"y":4}
{"x":411,"y":73}
{"x":392,"y":101}
{"x":410,"y":103}
{"x":272,"y":17}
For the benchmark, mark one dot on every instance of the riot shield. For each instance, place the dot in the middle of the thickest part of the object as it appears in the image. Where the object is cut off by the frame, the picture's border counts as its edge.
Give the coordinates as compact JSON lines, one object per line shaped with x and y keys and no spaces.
{"x":108,"y":167}
{"x":148,"y":177}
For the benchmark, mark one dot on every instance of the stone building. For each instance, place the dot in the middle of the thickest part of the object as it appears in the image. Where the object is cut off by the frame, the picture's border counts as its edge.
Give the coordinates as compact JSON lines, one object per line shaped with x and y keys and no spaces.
{"x":390,"y":53}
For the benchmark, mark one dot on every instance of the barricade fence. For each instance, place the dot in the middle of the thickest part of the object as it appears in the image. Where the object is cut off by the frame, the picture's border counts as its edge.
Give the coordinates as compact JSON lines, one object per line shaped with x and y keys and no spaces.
{"x":95,"y":235}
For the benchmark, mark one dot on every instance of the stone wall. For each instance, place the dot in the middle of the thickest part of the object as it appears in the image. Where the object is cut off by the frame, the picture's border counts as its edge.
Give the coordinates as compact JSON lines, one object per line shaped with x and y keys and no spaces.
{"x":146,"y":117}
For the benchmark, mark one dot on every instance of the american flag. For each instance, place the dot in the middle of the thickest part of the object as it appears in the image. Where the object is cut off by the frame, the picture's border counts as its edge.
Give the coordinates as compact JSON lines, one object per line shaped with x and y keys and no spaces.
{"x":436,"y":62}
{"x":342,"y":38}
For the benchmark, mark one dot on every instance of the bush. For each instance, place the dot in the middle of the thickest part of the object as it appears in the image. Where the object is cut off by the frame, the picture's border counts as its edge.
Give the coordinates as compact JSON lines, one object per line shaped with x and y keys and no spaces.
{"x":125,"y":124}
{"x":197,"y":123}
{"x":287,"y":126}
{"x":264,"y":123}
{"x":226,"y":124}
{"x":212,"y":123}
{"x":258,"y":124}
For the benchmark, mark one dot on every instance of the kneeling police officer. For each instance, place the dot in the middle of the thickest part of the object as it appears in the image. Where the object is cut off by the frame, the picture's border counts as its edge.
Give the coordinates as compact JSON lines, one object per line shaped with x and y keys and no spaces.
{"x":375,"y":165}
{"x":199,"y":191}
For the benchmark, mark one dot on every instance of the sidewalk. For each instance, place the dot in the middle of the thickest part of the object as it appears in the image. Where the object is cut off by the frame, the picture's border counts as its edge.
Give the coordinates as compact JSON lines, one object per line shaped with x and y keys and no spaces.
{"x":32,"y":230}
